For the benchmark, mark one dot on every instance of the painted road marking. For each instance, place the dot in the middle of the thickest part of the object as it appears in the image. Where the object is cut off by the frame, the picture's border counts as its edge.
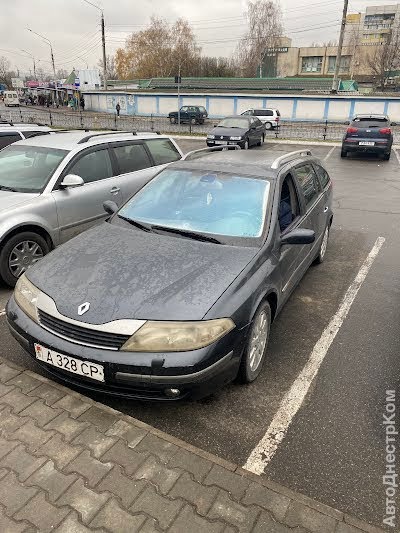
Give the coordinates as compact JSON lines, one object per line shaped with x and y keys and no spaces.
{"x":2,"y":312}
{"x":329,"y":153}
{"x":293,"y":399}
{"x":397,"y":155}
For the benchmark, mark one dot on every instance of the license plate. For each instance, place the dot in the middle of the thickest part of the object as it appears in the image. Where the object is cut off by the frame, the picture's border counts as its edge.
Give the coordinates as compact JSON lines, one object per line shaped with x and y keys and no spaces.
{"x":366,"y":143}
{"x":221,"y":142}
{"x":70,"y":364}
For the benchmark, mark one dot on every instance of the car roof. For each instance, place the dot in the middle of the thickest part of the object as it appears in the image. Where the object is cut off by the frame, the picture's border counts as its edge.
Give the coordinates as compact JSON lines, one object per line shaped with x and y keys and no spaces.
{"x":241,"y":162}
{"x":74,"y":139}
{"x":23,"y":127}
{"x":372,"y":116}
{"x":235,"y":116}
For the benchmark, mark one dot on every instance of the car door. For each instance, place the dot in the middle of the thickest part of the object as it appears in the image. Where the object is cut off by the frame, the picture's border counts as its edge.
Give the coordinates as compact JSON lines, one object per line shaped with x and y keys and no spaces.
{"x":326,"y":186}
{"x":184,"y":112}
{"x":135,"y":167}
{"x":291,"y":216}
{"x":257,"y":131}
{"x":314,"y":201}
{"x":81,"y":207}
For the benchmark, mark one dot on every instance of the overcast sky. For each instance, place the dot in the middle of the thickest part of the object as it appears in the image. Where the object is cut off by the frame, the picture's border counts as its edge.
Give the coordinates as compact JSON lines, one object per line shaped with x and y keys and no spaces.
{"x":73,"y":27}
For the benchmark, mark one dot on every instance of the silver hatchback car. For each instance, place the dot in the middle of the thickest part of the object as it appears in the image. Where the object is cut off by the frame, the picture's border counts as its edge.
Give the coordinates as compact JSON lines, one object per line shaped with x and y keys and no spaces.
{"x":53,"y":187}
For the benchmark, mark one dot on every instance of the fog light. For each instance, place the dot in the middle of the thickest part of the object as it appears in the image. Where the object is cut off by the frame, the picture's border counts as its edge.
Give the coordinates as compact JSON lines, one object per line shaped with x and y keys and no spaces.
{"x":172,"y":393}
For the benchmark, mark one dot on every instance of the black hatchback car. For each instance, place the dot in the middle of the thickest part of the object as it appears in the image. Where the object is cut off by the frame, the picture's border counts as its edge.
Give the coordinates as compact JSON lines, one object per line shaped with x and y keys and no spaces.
{"x":174,"y":296}
{"x":368,"y":134}
{"x":241,"y":130}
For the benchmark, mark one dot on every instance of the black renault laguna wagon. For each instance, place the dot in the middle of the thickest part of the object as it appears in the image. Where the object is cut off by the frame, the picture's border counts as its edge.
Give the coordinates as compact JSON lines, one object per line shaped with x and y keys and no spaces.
{"x":174,"y":295}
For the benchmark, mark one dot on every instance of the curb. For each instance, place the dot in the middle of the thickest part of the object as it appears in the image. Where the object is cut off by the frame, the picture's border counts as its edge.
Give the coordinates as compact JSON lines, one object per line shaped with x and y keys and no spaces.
{"x":232,"y":467}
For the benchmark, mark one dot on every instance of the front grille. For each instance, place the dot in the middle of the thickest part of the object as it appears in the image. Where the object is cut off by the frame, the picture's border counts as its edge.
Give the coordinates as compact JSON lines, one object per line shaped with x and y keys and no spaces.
{"x":81,"y":335}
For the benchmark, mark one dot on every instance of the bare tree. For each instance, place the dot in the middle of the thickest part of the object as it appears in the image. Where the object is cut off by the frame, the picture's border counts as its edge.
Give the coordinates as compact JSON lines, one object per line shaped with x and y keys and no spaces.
{"x":111,"y":69}
{"x":385,"y":57}
{"x":5,"y":73}
{"x":265,"y":31}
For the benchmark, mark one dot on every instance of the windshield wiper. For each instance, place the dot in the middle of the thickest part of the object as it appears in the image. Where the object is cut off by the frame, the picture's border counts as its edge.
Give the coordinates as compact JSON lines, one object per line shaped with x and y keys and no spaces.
{"x":187,"y":233}
{"x":5,"y":188}
{"x":137,"y":224}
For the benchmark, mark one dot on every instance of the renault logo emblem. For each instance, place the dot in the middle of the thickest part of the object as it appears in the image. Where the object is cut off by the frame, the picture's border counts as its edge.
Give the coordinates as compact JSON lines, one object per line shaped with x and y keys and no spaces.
{"x":83,"y":308}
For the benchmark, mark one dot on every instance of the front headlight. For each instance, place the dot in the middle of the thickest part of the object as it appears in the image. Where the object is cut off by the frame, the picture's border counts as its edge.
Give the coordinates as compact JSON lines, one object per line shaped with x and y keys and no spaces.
{"x":177,"y":336}
{"x":210,"y":136}
{"x":235,"y":138}
{"x":26,"y":296}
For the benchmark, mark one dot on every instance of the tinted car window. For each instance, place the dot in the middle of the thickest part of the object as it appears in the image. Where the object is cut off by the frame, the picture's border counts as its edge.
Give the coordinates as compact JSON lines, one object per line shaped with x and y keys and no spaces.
{"x":308,"y":182}
{"x":163,"y":151}
{"x":263,"y":112}
{"x":322,"y":175}
{"x":9,"y":138}
{"x":93,"y":166}
{"x":132,"y":157}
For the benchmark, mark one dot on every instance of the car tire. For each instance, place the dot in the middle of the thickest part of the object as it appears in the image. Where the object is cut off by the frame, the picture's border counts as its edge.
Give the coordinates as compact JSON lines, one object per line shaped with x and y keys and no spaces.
{"x":255,"y":350}
{"x":343,"y":153}
{"x":193,"y":121}
{"x":173,"y":120}
{"x":386,"y":157}
{"x":261,"y":141}
{"x":245,"y":145}
{"x":322,"y":249}
{"x":25,"y":240}
{"x":268,"y":126}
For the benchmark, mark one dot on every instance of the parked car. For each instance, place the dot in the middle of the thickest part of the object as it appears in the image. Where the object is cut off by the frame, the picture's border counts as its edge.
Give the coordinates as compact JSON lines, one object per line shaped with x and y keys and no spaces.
{"x":11,"y":98}
{"x":53,"y":187}
{"x":368,"y":133}
{"x":11,"y":133}
{"x":173,"y":296}
{"x":269,"y":117}
{"x":244,"y":131}
{"x":189,"y":113}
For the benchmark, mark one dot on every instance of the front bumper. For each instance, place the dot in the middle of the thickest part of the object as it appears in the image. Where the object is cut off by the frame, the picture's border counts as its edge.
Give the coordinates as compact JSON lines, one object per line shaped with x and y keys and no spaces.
{"x":144,"y":376}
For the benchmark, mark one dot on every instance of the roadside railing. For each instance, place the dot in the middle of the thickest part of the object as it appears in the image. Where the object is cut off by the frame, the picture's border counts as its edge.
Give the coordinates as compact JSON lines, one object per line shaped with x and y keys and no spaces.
{"x":70,"y":119}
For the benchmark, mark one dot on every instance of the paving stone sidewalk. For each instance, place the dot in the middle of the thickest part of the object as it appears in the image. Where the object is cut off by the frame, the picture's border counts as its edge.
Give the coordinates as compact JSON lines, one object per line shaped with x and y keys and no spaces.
{"x":71,"y":465}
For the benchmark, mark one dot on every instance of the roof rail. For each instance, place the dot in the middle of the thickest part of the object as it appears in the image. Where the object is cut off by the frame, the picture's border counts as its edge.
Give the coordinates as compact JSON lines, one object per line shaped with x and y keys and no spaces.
{"x":88,"y":137}
{"x":195,"y":154}
{"x":283,"y":159}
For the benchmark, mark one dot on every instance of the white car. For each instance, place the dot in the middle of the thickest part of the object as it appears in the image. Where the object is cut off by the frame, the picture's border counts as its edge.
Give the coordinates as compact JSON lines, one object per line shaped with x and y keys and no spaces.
{"x":11,"y":133}
{"x":269,"y":117}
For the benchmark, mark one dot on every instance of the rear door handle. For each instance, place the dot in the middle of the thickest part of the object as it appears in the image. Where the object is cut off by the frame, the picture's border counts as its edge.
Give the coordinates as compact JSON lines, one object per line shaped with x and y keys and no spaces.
{"x":326,"y":209}
{"x":115,"y":190}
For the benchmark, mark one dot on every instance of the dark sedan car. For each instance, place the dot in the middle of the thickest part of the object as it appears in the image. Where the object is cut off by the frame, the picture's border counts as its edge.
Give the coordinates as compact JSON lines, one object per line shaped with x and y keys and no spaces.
{"x":368,"y":134}
{"x":241,"y":130}
{"x":174,"y":296}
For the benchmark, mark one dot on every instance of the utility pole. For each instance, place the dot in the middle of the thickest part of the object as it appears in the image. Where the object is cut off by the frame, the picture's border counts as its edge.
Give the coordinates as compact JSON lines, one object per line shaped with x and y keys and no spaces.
{"x":103,"y":41}
{"x":34,"y":62}
{"x":46,"y":40}
{"x":335,"y":82}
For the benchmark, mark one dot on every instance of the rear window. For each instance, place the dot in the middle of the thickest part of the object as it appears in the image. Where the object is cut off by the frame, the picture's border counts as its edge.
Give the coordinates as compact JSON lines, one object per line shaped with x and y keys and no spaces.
{"x":132,"y":157}
{"x":9,"y":138}
{"x":373,"y":122}
{"x":163,"y":151}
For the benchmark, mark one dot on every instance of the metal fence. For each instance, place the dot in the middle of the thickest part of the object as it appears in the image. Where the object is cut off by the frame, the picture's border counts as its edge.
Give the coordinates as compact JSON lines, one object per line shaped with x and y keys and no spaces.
{"x":60,"y":118}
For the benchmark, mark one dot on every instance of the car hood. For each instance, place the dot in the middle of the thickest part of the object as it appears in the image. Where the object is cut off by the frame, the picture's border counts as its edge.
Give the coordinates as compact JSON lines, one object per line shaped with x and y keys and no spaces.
{"x":125,"y":273}
{"x":9,"y":200}
{"x":234,"y":132}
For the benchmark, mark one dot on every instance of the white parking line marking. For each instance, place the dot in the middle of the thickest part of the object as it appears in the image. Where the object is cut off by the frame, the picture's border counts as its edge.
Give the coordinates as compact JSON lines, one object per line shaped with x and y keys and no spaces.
{"x":2,"y":312}
{"x":397,"y":155}
{"x":329,"y":153}
{"x":293,"y":399}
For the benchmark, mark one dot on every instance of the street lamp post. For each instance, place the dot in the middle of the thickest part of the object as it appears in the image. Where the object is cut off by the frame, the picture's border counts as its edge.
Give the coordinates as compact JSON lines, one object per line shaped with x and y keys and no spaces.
{"x":46,"y":40}
{"x":103,"y":41}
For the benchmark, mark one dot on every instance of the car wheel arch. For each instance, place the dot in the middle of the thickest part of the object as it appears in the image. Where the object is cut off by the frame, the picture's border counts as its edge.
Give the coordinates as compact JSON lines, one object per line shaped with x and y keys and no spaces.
{"x":28,"y":227}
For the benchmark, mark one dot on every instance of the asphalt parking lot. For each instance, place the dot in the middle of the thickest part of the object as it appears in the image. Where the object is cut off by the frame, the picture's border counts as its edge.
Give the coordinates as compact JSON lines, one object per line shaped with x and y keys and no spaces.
{"x":335,"y":445}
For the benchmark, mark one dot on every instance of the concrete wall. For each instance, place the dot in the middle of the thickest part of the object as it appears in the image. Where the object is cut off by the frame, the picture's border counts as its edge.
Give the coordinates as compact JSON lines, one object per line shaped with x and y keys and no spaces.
{"x":292,"y":107}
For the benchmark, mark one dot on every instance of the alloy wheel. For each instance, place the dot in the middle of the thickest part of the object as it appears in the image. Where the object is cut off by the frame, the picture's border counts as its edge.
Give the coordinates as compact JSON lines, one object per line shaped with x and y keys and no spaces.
{"x":23,"y":255}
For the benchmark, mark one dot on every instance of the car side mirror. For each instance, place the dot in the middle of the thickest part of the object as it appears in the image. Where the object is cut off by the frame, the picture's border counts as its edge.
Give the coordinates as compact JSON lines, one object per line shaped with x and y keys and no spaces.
{"x":298,"y":236}
{"x":347,"y":123}
{"x":70,"y":181}
{"x":110,"y":207}
{"x":394,"y":124}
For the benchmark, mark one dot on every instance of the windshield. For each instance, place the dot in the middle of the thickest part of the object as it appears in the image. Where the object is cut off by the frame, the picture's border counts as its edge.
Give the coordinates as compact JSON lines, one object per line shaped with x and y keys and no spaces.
{"x":235,"y":122}
{"x":28,"y":168}
{"x":214,"y":203}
